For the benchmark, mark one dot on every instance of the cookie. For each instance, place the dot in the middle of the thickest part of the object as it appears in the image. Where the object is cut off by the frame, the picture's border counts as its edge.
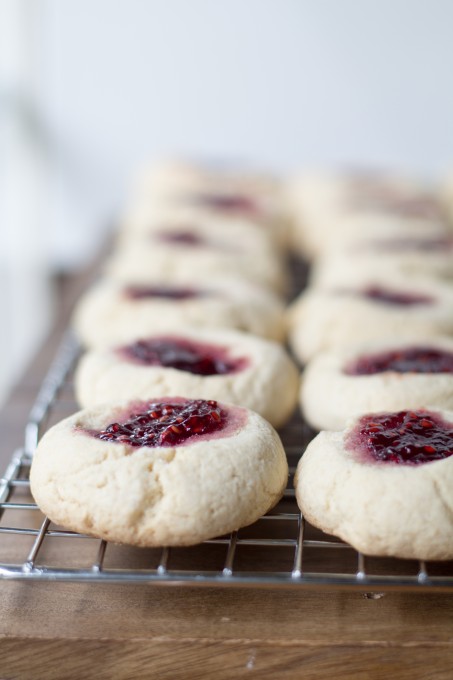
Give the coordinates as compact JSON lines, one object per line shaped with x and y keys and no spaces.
{"x":326,"y":207}
{"x":187,"y":254}
{"x":380,"y":307}
{"x":412,"y":255}
{"x":377,"y":233}
{"x":222,"y":232}
{"x":111,"y":313}
{"x":147,"y":218}
{"x":173,"y":176}
{"x":197,"y":194}
{"x":167,"y":472}
{"x":340,"y":384}
{"x":215,"y":211}
{"x":225,"y":365}
{"x":384,"y":485}
{"x":446,"y":196}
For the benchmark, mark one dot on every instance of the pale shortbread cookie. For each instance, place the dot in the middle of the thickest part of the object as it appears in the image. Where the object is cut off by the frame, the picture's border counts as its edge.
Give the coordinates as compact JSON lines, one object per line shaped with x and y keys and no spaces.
{"x":325,"y":318}
{"x":162,"y":210}
{"x":329,"y":396}
{"x":175,"y":175}
{"x":158,"y":496}
{"x":178,"y":189}
{"x":266,"y":379}
{"x":106,"y":315}
{"x":328,"y":207}
{"x":446,"y":196}
{"x":229,"y":233}
{"x":151,"y":259}
{"x":360,"y":230}
{"x":380,"y":508}
{"x":426,"y":257}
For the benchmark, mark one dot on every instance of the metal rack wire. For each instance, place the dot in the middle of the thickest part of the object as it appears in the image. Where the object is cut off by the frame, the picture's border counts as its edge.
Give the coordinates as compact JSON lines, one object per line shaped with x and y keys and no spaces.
{"x":281,"y":549}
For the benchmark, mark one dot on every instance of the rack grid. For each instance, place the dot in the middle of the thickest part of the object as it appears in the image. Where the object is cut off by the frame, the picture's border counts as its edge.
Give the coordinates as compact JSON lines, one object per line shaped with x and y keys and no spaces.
{"x":280,"y":549}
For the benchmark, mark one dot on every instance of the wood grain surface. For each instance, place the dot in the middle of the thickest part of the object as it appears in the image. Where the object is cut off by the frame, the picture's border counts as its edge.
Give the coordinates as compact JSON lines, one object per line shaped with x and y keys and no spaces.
{"x":52,"y":631}
{"x":70,"y":631}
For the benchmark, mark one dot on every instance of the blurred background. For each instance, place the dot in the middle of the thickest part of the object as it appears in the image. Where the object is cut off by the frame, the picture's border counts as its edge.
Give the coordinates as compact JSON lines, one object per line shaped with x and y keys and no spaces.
{"x":89,"y":89}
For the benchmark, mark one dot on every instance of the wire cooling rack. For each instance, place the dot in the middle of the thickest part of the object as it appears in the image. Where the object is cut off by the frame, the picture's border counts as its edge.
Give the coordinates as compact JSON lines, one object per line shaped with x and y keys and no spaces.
{"x":280,"y":549}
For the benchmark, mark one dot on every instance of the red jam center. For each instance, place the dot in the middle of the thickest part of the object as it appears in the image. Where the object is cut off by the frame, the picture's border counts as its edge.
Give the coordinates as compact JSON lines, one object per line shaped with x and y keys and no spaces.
{"x":229,"y":203}
{"x":166,"y":292}
{"x":408,"y":360}
{"x":182,"y":237}
{"x":167,"y":423}
{"x":183,"y":355}
{"x":392,"y":297}
{"x":407,"y":437}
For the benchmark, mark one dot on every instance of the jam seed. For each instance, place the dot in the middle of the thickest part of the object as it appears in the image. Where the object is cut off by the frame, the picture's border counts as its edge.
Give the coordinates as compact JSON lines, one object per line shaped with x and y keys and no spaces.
{"x":410,"y":438}
{"x":181,"y":420}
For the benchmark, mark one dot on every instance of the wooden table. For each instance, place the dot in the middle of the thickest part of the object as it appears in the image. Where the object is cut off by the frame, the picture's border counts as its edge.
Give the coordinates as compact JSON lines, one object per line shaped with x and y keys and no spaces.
{"x":82,"y":631}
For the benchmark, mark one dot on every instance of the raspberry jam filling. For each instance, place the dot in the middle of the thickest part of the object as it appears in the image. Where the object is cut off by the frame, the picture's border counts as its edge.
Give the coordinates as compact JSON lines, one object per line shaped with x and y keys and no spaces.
{"x":392,"y":297}
{"x":405,"y":438}
{"x":408,"y":360}
{"x":165,"y":292}
{"x":228,"y":203}
{"x":166,"y":423}
{"x":184,"y":355}
{"x":181,"y":237}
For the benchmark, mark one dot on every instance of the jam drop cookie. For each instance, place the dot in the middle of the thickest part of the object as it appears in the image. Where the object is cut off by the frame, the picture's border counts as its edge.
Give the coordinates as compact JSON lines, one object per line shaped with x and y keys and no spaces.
{"x":427,"y":255}
{"x":326,"y":206}
{"x":174,"y":176}
{"x":357,"y":231}
{"x":446,"y":196}
{"x":188,"y":254}
{"x":140,"y":216}
{"x":385,"y":484}
{"x":338,"y":385}
{"x":166,"y":472}
{"x":225,"y":233}
{"x":112,"y":313}
{"x":226,"y":365}
{"x":181,"y":189}
{"x":381,"y":307}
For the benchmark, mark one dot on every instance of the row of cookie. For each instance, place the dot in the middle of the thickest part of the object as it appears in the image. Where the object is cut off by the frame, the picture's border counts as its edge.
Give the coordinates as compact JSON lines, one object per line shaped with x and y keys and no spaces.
{"x":366,"y":214}
{"x":196,"y":247}
{"x":382,"y":261}
{"x":195,"y":458}
{"x":188,"y":223}
{"x":183,"y":471}
{"x":161,"y":337}
{"x":362,"y":232}
{"x":380,"y":377}
{"x":182,"y":468}
{"x":362,"y":309}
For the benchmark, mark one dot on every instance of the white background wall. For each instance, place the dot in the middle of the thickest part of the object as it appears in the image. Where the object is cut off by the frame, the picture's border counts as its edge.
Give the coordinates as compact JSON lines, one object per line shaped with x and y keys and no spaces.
{"x":90,"y":88}
{"x":285,"y":82}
